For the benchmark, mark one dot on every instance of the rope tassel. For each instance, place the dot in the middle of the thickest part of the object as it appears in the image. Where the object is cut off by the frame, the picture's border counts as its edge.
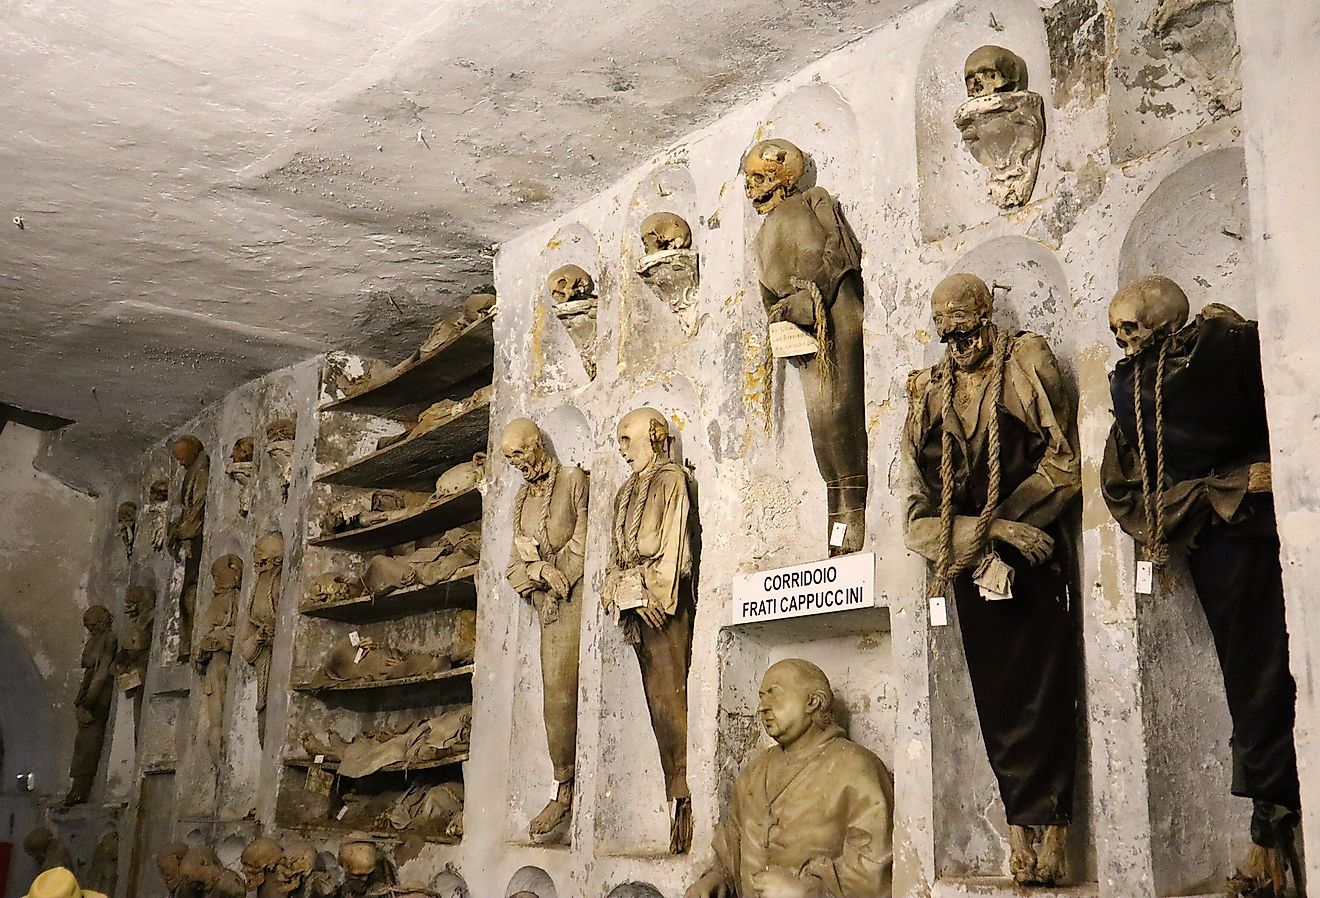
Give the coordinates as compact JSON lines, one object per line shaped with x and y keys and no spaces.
{"x":945,"y":565}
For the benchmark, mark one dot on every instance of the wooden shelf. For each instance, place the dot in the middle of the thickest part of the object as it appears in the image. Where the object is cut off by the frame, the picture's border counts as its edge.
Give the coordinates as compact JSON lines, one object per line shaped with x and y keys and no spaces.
{"x":456,"y":673}
{"x":463,"y":508}
{"x":446,"y":761}
{"x":458,"y":593}
{"x":415,"y":463}
{"x":452,"y":371}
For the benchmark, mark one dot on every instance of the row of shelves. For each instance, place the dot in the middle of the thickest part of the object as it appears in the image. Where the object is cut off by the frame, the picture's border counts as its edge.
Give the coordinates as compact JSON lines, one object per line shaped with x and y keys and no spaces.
{"x":454,"y":371}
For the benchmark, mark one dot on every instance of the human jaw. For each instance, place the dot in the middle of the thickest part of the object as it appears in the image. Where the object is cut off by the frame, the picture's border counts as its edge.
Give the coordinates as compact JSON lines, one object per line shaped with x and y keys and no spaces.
{"x":965,"y":331}
{"x":765,"y":185}
{"x":530,"y":458}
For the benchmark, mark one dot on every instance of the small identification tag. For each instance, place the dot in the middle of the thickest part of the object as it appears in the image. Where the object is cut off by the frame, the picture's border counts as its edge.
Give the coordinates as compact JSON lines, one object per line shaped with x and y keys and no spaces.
{"x":1145,"y":577}
{"x":788,"y":340}
{"x":837,"y":533}
{"x":939,"y":612}
{"x":354,"y":638}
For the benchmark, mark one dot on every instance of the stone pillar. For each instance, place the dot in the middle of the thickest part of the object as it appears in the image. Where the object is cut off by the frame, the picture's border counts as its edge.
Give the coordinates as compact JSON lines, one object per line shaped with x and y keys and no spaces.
{"x":1280,"y":71}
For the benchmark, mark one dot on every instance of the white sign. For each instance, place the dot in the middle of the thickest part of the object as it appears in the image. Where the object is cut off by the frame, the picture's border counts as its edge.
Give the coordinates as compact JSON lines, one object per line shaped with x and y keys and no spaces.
{"x":822,"y":587}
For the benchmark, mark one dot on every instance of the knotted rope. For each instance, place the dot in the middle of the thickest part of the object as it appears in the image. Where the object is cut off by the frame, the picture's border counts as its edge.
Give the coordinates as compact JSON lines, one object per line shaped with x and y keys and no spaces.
{"x":945,"y":566}
{"x":1156,"y":549}
{"x":824,"y":365}
{"x":543,"y":525}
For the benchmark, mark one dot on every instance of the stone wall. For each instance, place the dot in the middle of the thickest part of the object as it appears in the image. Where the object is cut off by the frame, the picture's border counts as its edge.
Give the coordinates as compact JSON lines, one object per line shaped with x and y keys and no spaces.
{"x":1140,"y":173}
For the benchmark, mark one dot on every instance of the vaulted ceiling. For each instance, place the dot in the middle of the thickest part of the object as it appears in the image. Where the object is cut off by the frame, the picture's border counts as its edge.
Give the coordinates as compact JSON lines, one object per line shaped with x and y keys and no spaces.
{"x":211,"y":190}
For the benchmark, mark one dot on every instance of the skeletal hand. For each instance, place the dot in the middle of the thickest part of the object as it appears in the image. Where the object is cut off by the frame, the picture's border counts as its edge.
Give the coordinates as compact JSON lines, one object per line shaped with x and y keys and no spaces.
{"x":654,"y":616}
{"x":1035,"y":544}
{"x":1260,"y":478}
{"x":799,"y":308}
{"x":712,"y":885}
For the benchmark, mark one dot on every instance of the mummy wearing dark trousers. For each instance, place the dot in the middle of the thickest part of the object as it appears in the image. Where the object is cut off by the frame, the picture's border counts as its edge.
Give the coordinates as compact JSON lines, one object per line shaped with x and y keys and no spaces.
{"x":1186,"y":471}
{"x":991,"y":467}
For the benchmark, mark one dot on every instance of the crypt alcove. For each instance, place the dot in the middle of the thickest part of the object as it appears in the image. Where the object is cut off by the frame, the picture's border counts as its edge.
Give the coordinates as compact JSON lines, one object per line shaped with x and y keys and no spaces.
{"x":953,"y":192}
{"x":1193,"y":227}
{"x":570,"y":439}
{"x":559,"y":362}
{"x":1031,"y":292}
{"x":632,"y":815}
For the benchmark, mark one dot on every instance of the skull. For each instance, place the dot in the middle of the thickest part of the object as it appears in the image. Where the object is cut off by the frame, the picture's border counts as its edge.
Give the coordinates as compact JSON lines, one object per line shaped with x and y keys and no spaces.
{"x":160,"y":491}
{"x":268,"y":554}
{"x":994,"y":70}
{"x":665,"y":230}
{"x":359,"y":861}
{"x":294,"y":866}
{"x":242,"y":451}
{"x":97,"y":619}
{"x":281,"y":429}
{"x":186,"y":449}
{"x":260,"y":856}
{"x":199,"y":864}
{"x":643,"y":434}
{"x":38,"y":842}
{"x":139,"y":599}
{"x":329,"y":588}
{"x":227,"y":572}
{"x":478,"y":304}
{"x":524,"y":448}
{"x":1145,"y":311}
{"x":168,"y":861}
{"x":461,"y":477}
{"x":961,"y":306}
{"x":569,"y":282}
{"x":126,"y":513}
{"x":771,"y":171}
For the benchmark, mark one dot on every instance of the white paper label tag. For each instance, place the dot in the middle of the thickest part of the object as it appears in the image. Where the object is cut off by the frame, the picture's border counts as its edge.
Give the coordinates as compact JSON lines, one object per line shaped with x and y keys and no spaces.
{"x":361,"y":653}
{"x":1145,"y":577}
{"x":837,"y":533}
{"x":319,"y":760}
{"x":939,"y":612}
{"x":342,"y":812}
{"x":354,"y":638}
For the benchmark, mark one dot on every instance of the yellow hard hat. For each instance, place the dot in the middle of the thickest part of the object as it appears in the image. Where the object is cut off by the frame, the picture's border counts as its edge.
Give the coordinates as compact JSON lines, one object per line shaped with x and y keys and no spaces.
{"x":58,"y":882}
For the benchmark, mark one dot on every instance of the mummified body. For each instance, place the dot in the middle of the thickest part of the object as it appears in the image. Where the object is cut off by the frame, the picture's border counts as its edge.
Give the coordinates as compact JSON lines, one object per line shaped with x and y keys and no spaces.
{"x":1204,"y":491}
{"x":216,"y":647}
{"x":268,"y":559}
{"x":95,"y":697}
{"x":992,"y":466}
{"x":810,"y":264}
{"x":549,"y":549}
{"x":648,"y":587}
{"x":186,"y":532}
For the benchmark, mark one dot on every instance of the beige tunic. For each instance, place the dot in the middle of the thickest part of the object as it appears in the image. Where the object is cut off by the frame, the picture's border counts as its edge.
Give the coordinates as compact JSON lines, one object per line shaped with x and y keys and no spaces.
{"x":833,"y":820}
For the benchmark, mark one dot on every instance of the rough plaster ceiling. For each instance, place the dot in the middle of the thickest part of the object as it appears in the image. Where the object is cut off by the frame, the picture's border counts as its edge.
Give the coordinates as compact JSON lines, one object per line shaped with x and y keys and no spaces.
{"x":210,"y":190}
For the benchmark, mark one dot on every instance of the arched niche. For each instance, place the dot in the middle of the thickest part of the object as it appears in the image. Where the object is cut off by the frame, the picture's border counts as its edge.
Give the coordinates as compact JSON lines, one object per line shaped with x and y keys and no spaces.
{"x":1179,"y":233}
{"x":787,"y":511}
{"x":650,"y":331}
{"x":534,"y":880}
{"x":635,"y":890}
{"x":1158,"y":94}
{"x":632,"y":815}
{"x":558,"y":361}
{"x":567,"y":434}
{"x":1029,"y":288}
{"x":1195,"y":227}
{"x":1031,"y":293}
{"x":954,"y":191}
